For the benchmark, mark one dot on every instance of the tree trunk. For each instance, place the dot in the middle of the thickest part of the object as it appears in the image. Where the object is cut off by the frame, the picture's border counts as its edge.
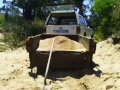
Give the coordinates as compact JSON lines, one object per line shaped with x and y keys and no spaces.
{"x":79,"y":4}
{"x":27,"y":11}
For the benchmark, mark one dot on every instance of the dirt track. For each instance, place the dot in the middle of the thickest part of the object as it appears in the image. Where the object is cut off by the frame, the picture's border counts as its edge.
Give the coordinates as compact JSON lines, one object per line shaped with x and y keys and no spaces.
{"x":14,"y":72}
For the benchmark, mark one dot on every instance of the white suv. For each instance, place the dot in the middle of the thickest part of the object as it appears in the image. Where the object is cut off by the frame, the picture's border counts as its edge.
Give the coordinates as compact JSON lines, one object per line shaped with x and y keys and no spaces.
{"x":67,"y":22}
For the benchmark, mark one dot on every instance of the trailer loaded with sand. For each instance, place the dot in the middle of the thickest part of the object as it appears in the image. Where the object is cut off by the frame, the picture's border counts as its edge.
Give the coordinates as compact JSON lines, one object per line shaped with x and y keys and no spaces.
{"x":69,"y":51}
{"x":63,"y":41}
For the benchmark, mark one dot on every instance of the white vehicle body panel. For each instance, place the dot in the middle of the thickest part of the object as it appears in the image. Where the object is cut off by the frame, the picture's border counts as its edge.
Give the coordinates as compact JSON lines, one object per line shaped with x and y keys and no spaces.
{"x":69,"y":28}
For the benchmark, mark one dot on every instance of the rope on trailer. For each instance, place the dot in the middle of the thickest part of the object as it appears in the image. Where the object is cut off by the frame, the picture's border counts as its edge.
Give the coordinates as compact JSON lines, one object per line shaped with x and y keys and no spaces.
{"x":48,"y":63}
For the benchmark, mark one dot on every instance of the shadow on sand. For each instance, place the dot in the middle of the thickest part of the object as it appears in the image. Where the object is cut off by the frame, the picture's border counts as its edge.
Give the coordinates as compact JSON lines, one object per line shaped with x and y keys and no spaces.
{"x":55,"y":74}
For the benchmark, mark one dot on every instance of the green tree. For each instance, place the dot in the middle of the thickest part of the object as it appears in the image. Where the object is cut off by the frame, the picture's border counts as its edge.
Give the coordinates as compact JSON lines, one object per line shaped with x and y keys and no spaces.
{"x":32,"y":8}
{"x":106,"y":14}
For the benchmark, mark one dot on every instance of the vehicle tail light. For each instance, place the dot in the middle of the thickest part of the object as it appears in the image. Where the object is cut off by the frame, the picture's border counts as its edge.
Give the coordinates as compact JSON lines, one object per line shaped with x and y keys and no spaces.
{"x":28,"y":42}
{"x":78,"y":29}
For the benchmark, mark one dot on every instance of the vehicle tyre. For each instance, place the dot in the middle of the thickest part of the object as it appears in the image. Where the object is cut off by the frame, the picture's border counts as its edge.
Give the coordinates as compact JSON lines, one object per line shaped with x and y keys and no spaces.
{"x":85,"y":34}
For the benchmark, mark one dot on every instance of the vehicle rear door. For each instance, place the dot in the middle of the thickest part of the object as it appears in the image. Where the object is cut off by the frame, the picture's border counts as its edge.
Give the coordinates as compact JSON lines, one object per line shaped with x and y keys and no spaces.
{"x":61,"y":23}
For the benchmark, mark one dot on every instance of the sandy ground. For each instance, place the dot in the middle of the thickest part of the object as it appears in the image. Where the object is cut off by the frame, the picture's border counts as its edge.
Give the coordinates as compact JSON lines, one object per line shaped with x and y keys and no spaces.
{"x":14,"y":74}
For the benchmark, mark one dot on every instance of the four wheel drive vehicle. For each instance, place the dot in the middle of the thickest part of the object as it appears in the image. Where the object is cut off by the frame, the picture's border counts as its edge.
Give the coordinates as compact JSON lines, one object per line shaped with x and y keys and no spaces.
{"x":72,"y":26}
{"x":67,"y":22}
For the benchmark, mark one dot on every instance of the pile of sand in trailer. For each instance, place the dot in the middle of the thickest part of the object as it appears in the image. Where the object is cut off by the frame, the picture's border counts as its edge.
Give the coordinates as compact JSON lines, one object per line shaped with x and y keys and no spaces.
{"x":61,"y":43}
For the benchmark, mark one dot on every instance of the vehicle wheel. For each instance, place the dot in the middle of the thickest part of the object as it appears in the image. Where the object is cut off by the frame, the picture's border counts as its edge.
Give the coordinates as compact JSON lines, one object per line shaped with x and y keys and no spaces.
{"x":33,"y":72}
{"x":85,"y":34}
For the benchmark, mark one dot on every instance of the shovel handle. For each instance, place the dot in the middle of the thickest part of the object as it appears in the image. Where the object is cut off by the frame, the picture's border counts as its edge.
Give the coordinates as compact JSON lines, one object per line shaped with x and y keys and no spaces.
{"x":48,"y":63}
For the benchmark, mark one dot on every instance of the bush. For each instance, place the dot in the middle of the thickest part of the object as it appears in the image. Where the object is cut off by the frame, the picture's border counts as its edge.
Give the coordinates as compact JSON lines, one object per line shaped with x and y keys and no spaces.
{"x":16,"y":29}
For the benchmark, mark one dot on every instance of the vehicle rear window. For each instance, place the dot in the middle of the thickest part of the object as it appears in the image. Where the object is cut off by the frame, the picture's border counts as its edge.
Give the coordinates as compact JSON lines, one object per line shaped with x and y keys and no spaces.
{"x":62,"y":19}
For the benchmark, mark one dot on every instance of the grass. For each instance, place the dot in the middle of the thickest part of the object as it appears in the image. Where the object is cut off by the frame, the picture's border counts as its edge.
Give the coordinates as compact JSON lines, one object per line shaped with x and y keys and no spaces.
{"x":3,"y":47}
{"x":1,"y":19}
{"x":1,"y":16}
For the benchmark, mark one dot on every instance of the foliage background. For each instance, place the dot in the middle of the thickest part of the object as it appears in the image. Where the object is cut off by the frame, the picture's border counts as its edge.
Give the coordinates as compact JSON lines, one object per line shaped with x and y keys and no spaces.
{"x":105,"y":19}
{"x":17,"y":25}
